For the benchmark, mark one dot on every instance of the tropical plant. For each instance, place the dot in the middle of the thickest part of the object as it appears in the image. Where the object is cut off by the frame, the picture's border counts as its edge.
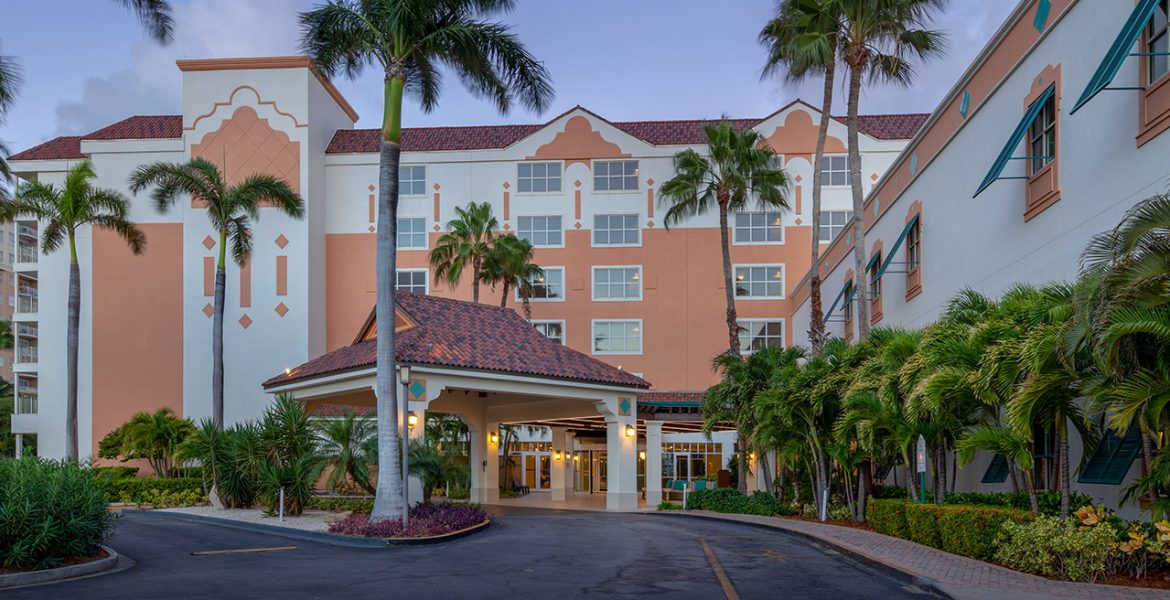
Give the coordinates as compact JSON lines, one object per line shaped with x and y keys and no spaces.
{"x":877,"y":37}
{"x":409,"y":40}
{"x":65,"y":210}
{"x":230,"y":460}
{"x":155,"y":437}
{"x":735,"y":173}
{"x":231,"y":209}
{"x":342,"y":446}
{"x":467,"y":242}
{"x":802,"y":42}
{"x":291,"y":464}
{"x":1006,"y":442}
{"x":509,"y":263}
{"x":427,"y":465}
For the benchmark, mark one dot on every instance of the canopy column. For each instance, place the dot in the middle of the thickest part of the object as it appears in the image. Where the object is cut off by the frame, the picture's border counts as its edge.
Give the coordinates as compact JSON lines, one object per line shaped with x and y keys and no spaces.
{"x":622,"y":463}
{"x":562,"y":461}
{"x":653,"y":463}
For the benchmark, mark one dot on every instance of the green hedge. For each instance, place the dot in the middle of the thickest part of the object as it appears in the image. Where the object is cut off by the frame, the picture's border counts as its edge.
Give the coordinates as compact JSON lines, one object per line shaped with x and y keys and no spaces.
{"x":115,"y":472}
{"x":1049,"y":501}
{"x":359,"y":505}
{"x":729,"y":500}
{"x":49,"y":512}
{"x":142,"y":490}
{"x":959,"y":529}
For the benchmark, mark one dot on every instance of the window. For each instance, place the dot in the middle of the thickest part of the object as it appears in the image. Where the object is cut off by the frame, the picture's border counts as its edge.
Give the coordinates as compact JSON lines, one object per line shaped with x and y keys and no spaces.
{"x":549,"y":285}
{"x":1158,"y":41}
{"x":755,"y":335}
{"x":762,"y":281}
{"x":617,"y":283}
{"x":411,"y":280}
{"x":847,"y":310}
{"x":538,"y":177}
{"x":1042,"y":137}
{"x":541,"y":231}
{"x":553,"y":330}
{"x":875,"y":282}
{"x":617,"y":337}
{"x":615,"y":175}
{"x":833,"y":222}
{"x":1114,"y":455}
{"x":412,"y":180}
{"x":759,"y":228}
{"x":835,"y":170}
{"x":616,"y":230}
{"x":412,"y":233}
{"x":914,"y":247}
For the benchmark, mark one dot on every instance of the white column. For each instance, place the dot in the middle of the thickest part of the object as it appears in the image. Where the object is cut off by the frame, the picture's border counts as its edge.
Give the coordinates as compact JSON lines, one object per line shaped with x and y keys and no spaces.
{"x":483,"y":458}
{"x":490,"y":464}
{"x":753,"y":474}
{"x":416,"y":434}
{"x":19,"y":445}
{"x":622,"y":464}
{"x":653,"y":463}
{"x":570,"y":466}
{"x":559,"y":469}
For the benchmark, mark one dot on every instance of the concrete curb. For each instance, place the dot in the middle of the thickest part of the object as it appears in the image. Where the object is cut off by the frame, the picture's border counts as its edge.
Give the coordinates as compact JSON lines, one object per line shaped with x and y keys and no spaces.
{"x":893,"y":570}
{"x":332,"y":539}
{"x":12,"y":580}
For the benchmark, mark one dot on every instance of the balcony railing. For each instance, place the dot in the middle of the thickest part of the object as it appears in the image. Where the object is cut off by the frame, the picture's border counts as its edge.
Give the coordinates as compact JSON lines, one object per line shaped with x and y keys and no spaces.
{"x":27,"y":231}
{"x":26,"y":254}
{"x":26,"y":330}
{"x":26,"y":355}
{"x":26,"y":405}
{"x":26,"y":303}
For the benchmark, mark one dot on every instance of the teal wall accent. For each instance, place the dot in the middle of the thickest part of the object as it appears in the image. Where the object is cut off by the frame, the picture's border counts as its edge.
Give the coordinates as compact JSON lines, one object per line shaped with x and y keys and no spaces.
{"x":965,"y":104}
{"x":1043,"y":7}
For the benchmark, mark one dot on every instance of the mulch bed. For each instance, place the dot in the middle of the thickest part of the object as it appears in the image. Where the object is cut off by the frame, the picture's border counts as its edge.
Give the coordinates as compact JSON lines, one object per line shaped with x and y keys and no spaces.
{"x":74,"y":560}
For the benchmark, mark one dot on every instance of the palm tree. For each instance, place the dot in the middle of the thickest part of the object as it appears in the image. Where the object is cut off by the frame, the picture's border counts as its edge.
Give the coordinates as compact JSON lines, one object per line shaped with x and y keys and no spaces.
{"x":409,"y":40}
{"x":342,"y":441}
{"x":64,"y":210}
{"x":155,"y":437}
{"x":231,"y":210}
{"x":468,"y":241}
{"x":9,"y":81}
{"x":1009,"y":443}
{"x":877,"y":37}
{"x":801,"y":43}
{"x":509,"y":263}
{"x":735,"y":174}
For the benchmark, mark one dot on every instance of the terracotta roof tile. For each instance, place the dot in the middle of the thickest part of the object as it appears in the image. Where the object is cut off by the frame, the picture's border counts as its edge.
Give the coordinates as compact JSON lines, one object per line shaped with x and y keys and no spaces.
{"x":60,"y":148}
{"x":459,"y":334}
{"x":670,"y":398}
{"x":890,"y":127}
{"x":141,"y":127}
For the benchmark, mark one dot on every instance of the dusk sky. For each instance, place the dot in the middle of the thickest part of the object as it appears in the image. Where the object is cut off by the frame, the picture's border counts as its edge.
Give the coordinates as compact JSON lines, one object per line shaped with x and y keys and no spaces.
{"x":87,"y":63}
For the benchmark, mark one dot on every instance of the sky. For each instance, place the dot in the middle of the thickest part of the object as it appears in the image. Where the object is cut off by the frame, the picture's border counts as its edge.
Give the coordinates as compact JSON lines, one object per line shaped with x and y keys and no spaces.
{"x":88,"y":63}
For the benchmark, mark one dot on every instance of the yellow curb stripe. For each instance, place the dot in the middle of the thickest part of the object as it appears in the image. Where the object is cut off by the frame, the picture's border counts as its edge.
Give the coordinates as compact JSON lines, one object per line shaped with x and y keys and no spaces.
{"x":243,"y":551}
{"x":720,"y":574}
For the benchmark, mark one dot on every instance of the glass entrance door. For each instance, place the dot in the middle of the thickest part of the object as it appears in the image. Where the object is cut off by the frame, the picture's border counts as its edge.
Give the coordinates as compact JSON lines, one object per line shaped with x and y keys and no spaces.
{"x":537,"y":470}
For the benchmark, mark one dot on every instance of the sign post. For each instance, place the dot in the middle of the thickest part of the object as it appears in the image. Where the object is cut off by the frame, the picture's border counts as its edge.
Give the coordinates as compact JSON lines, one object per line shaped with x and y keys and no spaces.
{"x":921,"y":460}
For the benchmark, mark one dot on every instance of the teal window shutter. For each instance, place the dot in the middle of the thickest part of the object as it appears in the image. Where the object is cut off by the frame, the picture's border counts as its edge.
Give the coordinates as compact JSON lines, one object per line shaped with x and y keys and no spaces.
{"x":1013,"y":142}
{"x":1112,"y":458}
{"x":1118,"y":52}
{"x":829,"y":313}
{"x":997,"y":470}
{"x":897,"y":244}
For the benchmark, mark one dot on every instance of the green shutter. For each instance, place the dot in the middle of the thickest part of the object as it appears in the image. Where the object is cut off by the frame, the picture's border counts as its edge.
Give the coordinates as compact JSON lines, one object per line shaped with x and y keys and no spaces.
{"x":997,"y":470}
{"x":1013,"y":142}
{"x":829,"y":313}
{"x":1118,"y":52}
{"x":1112,"y":459}
{"x":897,"y":244}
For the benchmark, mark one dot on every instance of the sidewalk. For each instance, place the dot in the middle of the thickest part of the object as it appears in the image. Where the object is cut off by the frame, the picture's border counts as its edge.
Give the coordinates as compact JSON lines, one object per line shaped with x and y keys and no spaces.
{"x":960,"y":577}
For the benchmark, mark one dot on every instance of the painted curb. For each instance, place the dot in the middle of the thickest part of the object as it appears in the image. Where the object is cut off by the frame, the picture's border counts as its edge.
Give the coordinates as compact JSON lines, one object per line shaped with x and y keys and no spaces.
{"x":332,"y":539}
{"x":873,"y":562}
{"x":12,"y":580}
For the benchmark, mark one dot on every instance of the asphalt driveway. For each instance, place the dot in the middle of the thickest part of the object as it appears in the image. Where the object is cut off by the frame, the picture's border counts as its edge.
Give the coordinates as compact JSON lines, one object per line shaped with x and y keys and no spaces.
{"x":524,"y":554}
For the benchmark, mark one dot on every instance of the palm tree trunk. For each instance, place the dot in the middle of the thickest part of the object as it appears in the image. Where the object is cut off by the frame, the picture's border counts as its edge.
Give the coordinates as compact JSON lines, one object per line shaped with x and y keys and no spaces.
{"x":741,"y":476}
{"x":475,"y":265}
{"x":1148,"y":460}
{"x":71,"y":450}
{"x":816,"y":328}
{"x":860,"y":278}
{"x":765,"y":471}
{"x":1031,"y":485}
{"x":1062,"y":457}
{"x":217,"y":341}
{"x":504,"y":296}
{"x":728,"y":285}
{"x":940,"y":467}
{"x":388,"y":502}
{"x":909,"y":478}
{"x":822,"y":491}
{"x":862,"y":490}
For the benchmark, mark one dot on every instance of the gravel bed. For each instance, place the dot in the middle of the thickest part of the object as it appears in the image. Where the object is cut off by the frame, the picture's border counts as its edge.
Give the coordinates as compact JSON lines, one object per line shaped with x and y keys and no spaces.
{"x":310,"y":520}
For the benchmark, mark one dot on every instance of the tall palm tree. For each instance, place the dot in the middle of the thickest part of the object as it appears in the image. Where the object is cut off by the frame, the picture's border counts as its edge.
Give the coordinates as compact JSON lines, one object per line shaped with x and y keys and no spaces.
{"x":64,"y":210}
{"x":509,"y":263}
{"x":231,"y":210}
{"x":801,"y":43}
{"x":735,"y":174}
{"x":467,"y":242}
{"x":9,"y":81}
{"x":409,"y":40}
{"x":877,"y":38}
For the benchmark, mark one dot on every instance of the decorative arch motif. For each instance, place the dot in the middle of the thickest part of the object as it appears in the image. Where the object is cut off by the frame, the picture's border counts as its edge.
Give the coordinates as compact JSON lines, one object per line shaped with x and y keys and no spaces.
{"x":578,"y":143}
{"x":246,"y":145}
{"x":798,"y":137}
{"x":259,"y":101}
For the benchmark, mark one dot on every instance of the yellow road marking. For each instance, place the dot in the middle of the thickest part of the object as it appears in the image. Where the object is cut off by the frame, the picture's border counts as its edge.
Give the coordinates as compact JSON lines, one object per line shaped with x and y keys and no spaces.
{"x":243,"y":551}
{"x":779,"y":556}
{"x":720,"y":574}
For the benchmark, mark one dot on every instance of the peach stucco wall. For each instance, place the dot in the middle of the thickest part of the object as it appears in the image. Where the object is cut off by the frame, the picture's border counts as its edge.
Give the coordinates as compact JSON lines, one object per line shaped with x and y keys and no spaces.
{"x":246,"y":145}
{"x":682,"y":306}
{"x":137,"y":326}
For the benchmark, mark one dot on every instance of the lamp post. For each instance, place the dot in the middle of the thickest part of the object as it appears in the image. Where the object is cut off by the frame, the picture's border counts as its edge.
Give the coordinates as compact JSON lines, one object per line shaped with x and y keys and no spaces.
{"x":404,"y":379}
{"x":921,"y":460}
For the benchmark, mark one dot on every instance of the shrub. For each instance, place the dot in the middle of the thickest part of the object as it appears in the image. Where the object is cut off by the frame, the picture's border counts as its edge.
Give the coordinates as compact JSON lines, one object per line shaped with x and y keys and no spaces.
{"x":141,"y":490}
{"x":887,"y":492}
{"x":49,"y":512}
{"x":425,"y":520}
{"x":357,"y":505}
{"x":887,"y":516}
{"x":1049,"y":501}
{"x":1045,"y":546}
{"x":152,"y":436}
{"x":971,"y":530}
{"x":458,"y":493}
{"x":729,"y":500}
{"x":668,"y":505}
{"x":115,"y":472}
{"x":922,"y":524}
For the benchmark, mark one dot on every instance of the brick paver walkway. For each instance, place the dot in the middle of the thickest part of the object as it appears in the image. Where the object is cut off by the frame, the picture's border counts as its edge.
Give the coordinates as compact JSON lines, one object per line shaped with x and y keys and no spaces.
{"x":958,"y":576}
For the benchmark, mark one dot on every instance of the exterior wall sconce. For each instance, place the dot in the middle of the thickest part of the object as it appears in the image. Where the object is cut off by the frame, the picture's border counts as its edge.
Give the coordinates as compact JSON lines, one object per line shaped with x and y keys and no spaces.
{"x":576,"y":458}
{"x":642,"y":454}
{"x":412,"y":420}
{"x":495,"y":438}
{"x":558,"y":455}
{"x":630,"y":431}
{"x":404,"y":374}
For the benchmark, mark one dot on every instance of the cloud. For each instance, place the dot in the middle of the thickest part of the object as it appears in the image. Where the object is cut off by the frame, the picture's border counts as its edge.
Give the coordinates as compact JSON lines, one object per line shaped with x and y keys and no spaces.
{"x":152,"y":84}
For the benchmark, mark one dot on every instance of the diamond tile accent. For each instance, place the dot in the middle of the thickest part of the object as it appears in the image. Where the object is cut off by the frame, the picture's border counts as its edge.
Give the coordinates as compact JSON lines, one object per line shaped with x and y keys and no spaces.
{"x":507,"y":185}
{"x":650,"y":181}
{"x":506,"y":227}
{"x":245,"y":321}
{"x":372,"y":187}
{"x":436,"y":186}
{"x":798,"y":179}
{"x":208,"y":310}
{"x":873,"y":176}
{"x":281,"y":241}
{"x":436,"y":227}
{"x":373,"y":229}
{"x":208,"y":242}
{"x":577,"y":183}
{"x":798,"y":221}
{"x":281,"y":309}
{"x":577,"y":225}
{"x":650,"y":224}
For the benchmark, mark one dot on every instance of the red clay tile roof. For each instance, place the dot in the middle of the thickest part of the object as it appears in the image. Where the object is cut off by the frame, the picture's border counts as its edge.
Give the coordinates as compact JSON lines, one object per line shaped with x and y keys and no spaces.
{"x":890,"y":127}
{"x":459,"y":334}
{"x":65,"y":147}
{"x":141,"y":127}
{"x":670,"y":398}
{"x":338,"y":410}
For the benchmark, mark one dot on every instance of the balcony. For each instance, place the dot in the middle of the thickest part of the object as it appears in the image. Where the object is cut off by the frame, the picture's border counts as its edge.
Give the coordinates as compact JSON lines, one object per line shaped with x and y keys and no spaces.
{"x":26,"y":253}
{"x":26,"y":404}
{"x":26,"y":303}
{"x":29,"y":231}
{"x":26,"y":354}
{"x":28,"y":330}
